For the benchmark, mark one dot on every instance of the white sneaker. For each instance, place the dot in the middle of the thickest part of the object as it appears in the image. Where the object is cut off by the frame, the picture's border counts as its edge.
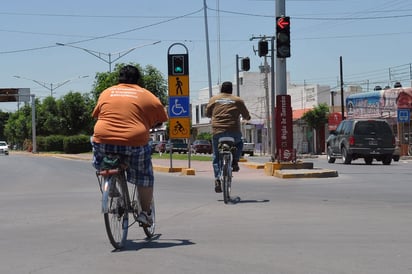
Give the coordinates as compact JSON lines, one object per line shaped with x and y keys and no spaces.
{"x":144,"y":219}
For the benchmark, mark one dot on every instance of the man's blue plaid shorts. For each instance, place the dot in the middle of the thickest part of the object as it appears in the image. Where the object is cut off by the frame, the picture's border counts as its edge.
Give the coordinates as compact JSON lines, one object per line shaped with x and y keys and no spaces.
{"x":139,"y":160}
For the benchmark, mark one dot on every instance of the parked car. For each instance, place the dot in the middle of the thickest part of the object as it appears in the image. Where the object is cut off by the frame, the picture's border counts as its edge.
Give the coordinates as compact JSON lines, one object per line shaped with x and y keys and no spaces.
{"x":248,"y":148}
{"x":153,"y":145}
{"x":4,"y":148}
{"x":361,"y":138}
{"x":178,"y":145}
{"x":201,"y":146}
{"x":161,"y":147}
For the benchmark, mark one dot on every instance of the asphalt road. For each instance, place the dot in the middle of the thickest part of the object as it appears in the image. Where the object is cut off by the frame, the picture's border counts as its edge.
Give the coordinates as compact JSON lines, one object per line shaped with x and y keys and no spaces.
{"x":359,"y":222}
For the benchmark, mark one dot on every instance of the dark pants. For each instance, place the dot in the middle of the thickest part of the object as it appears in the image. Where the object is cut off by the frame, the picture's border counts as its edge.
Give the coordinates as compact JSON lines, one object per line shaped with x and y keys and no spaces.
{"x":239,"y":147}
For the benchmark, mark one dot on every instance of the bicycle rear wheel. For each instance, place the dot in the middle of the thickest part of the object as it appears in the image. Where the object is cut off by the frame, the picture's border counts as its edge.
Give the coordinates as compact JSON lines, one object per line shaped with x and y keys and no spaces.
{"x":116,"y":218}
{"x":226,"y":182}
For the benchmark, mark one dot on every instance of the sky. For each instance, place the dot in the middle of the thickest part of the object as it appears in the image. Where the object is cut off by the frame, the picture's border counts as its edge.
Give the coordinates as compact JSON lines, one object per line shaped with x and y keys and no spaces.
{"x":373,"y":37}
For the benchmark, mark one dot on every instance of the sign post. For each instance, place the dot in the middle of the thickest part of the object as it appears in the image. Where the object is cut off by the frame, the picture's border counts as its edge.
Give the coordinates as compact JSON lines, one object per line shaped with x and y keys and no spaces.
{"x":284,"y":126}
{"x":179,"y":103}
{"x":179,"y":99}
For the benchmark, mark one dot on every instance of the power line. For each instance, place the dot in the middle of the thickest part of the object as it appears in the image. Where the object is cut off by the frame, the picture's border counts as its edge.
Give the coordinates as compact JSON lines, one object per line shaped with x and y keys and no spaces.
{"x":107,"y":35}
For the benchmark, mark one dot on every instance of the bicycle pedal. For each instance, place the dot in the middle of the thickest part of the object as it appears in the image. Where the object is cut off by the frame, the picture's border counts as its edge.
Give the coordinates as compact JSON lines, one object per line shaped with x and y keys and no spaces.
{"x":143,"y":225}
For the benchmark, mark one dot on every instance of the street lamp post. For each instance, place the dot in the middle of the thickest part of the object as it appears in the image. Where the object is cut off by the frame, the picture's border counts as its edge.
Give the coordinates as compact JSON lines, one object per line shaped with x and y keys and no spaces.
{"x":107,"y":57}
{"x":50,"y":86}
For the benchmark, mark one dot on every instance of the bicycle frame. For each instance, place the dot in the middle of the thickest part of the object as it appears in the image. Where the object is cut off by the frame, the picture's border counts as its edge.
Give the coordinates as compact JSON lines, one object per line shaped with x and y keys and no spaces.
{"x":118,"y":201}
{"x":226,"y":149}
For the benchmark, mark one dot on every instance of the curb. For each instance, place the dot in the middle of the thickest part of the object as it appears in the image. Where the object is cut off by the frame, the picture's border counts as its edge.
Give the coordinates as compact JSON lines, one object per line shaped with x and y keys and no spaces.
{"x":312,"y":173}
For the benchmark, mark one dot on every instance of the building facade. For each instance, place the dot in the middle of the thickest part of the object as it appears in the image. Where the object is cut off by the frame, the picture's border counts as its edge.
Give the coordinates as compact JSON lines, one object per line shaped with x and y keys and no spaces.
{"x":255,"y":90}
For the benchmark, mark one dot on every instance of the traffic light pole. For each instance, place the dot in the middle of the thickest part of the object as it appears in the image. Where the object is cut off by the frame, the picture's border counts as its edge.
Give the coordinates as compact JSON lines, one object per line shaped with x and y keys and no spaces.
{"x":280,"y":62}
{"x":281,"y":81}
{"x":272,"y":98}
{"x":270,"y":124}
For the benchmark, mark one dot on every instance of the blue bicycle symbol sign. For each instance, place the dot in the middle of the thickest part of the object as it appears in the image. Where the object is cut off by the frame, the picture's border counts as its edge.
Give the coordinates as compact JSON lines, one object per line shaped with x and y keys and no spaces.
{"x":178,"y":106}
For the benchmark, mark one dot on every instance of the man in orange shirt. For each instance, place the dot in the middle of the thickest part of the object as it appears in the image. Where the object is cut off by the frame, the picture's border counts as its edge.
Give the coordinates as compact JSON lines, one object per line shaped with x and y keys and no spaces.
{"x":125,"y":114}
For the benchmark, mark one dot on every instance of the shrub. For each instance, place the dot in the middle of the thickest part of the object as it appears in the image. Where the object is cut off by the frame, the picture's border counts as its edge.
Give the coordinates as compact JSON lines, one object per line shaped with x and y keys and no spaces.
{"x":77,"y":144}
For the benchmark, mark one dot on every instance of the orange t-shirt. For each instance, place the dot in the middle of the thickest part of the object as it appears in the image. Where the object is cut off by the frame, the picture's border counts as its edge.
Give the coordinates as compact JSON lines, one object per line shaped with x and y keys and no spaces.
{"x":125,"y":113}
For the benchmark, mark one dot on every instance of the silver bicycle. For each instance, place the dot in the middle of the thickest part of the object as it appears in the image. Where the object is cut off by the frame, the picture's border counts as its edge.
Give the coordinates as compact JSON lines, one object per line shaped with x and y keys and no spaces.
{"x":226,"y":146}
{"x":119,"y":200}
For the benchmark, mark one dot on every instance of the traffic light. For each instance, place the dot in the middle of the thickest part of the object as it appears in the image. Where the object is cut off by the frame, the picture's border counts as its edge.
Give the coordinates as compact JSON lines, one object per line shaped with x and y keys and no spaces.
{"x":178,"y":64}
{"x":263,"y":48}
{"x":283,"y":37}
{"x":245,"y":64}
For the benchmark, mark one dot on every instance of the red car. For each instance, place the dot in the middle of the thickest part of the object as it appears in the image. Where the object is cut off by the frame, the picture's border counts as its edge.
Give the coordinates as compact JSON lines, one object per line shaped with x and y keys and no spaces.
{"x":201,"y":146}
{"x":161,"y":146}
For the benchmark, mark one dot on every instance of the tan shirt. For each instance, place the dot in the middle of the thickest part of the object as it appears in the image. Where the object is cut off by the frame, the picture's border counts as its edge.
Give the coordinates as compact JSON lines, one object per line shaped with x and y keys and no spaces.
{"x":225,"y":110}
{"x":125,"y":114}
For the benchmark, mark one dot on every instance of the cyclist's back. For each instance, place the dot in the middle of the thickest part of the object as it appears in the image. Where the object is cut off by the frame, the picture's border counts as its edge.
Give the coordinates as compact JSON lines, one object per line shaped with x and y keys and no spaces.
{"x":225,"y":110}
{"x":125,"y":114}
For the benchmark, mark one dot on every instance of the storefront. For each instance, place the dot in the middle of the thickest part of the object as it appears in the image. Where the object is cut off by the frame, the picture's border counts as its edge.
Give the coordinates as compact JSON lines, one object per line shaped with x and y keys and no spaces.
{"x":394,"y":105}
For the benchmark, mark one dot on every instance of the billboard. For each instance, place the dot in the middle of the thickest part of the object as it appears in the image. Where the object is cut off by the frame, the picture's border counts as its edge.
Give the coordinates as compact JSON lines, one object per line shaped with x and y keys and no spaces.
{"x":14,"y":94}
{"x":378,"y":104}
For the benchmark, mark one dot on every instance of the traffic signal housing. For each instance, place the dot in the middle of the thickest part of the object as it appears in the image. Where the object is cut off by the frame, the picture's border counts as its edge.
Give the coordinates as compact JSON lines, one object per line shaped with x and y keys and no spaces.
{"x":263,"y":48}
{"x":178,"y":64}
{"x":283,"y":37}
{"x":245,"y":66}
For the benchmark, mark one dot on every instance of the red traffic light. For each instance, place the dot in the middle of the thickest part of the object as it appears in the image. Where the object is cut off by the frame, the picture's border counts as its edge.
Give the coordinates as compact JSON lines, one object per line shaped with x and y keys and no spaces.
{"x":282,"y":22}
{"x":283,"y":37}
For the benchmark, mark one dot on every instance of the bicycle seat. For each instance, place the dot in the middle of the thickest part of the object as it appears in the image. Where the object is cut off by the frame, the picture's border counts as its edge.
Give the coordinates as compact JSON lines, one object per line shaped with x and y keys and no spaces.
{"x":111,"y":161}
{"x":227,"y":140}
{"x":226,"y":143}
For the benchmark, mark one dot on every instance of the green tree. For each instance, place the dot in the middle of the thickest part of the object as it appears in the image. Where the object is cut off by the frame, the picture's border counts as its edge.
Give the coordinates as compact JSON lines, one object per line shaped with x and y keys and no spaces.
{"x":4,"y":116}
{"x":317,"y":119}
{"x":48,"y":118}
{"x":18,"y":126}
{"x":154,"y":81}
{"x":74,"y":114}
{"x":204,"y":136}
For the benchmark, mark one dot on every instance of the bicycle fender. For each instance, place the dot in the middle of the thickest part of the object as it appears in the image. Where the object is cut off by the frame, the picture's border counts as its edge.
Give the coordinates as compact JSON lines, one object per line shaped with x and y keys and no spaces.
{"x":105,"y":195}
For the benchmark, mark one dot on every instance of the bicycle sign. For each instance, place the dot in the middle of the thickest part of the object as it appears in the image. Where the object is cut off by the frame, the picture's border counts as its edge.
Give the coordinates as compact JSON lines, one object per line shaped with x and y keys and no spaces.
{"x":178,"y":106}
{"x":179,"y":127}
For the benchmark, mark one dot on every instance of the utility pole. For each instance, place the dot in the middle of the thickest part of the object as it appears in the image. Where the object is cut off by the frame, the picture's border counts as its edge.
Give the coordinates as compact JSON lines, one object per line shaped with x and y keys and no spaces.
{"x":341,"y":88}
{"x":209,"y":74}
{"x":269,"y":122}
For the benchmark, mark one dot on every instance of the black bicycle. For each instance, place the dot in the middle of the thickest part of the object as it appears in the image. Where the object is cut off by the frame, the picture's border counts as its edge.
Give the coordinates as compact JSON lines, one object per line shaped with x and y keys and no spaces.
{"x":119,"y":199}
{"x":226,"y":146}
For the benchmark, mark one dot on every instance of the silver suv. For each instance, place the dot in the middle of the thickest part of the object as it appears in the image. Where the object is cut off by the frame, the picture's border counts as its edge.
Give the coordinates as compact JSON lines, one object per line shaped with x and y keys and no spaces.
{"x":4,"y":148}
{"x":361,"y":138}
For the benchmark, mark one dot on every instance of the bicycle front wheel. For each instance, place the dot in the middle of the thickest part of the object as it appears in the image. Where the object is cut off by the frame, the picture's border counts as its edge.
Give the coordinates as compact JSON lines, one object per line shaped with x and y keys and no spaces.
{"x":116,"y":218}
{"x":226,"y":182}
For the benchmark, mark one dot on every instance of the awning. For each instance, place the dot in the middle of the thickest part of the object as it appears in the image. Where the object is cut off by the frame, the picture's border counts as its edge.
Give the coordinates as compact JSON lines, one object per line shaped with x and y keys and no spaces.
{"x":298,"y":113}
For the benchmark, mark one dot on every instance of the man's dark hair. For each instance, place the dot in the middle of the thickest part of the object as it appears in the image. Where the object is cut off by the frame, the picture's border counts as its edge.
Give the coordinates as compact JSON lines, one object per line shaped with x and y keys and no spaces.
{"x":226,"y":87}
{"x":129,"y":75}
